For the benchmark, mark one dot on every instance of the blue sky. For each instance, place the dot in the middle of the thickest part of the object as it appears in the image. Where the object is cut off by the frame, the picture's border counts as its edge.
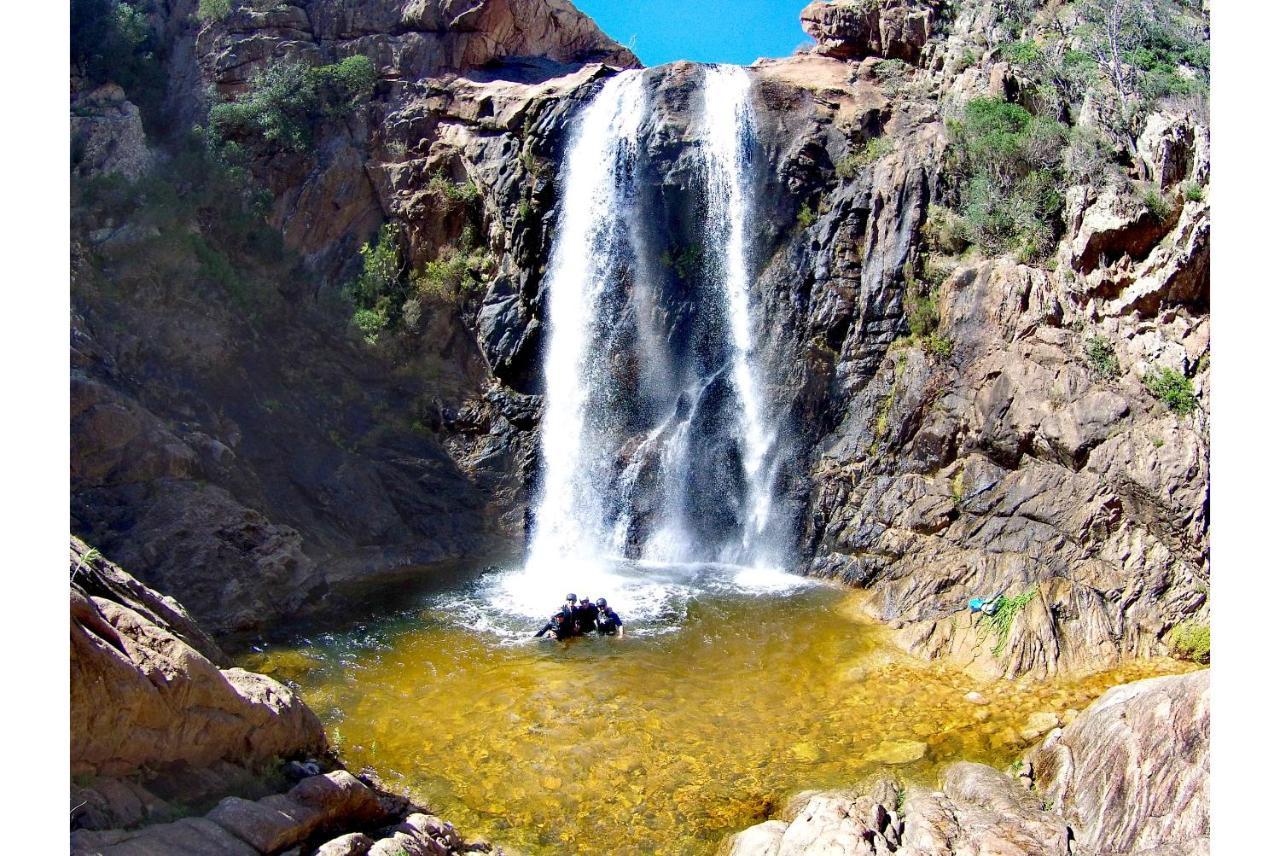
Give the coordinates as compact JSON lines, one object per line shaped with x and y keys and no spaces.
{"x":736,"y":31}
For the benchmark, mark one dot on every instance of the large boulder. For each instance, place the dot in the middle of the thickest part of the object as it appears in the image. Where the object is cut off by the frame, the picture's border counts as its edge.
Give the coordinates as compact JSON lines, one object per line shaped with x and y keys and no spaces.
{"x":107,"y":137}
{"x":144,"y":699}
{"x":1131,"y":773}
{"x":853,"y":29}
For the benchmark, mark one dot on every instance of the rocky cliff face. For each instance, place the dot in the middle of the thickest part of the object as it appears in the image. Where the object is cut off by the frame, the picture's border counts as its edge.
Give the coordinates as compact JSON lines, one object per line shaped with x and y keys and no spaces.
{"x":1110,"y":783}
{"x":256,"y":463}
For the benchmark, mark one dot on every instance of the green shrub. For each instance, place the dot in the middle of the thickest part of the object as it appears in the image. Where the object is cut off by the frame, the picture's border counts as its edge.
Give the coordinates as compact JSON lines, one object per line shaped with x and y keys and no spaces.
{"x":1173,"y":388}
{"x":922,"y":312}
{"x":941,"y":347}
{"x":458,"y":192}
{"x":1007,"y":609}
{"x":862,"y":155}
{"x":1011,"y":165}
{"x":944,"y":231}
{"x":1153,"y":200}
{"x":1101,"y":356}
{"x":1193,"y":191}
{"x":1022,"y":53}
{"x":1190,"y":641}
{"x":213,"y":10}
{"x":967,"y":60}
{"x":806,"y":216}
{"x":380,"y":289}
{"x":286,"y":100}
{"x":451,"y":278}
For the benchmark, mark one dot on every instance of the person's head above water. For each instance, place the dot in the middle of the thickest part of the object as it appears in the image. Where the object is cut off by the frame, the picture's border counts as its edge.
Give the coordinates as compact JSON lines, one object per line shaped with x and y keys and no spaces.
{"x":602,"y":603}
{"x":571,"y":597}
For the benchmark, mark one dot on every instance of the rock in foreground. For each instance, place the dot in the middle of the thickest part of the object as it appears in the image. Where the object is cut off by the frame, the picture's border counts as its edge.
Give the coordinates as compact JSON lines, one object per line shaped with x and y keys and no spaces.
{"x":1129,"y":776}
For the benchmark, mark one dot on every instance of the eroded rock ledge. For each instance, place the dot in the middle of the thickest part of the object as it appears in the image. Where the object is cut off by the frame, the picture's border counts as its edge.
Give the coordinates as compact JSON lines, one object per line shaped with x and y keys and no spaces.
{"x":1114,"y":782}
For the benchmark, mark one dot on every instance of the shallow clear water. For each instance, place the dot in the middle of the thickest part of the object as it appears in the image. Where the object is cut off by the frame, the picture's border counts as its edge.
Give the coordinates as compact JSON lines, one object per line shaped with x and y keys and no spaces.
{"x":729,"y":695}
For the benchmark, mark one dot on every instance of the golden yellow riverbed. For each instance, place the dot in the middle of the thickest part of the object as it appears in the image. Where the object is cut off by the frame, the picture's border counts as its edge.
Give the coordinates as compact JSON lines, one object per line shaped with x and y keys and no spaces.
{"x":659,"y":744}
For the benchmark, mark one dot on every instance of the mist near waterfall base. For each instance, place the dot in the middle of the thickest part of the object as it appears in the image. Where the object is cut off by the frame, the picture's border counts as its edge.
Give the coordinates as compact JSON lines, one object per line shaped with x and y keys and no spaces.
{"x":728,"y":31}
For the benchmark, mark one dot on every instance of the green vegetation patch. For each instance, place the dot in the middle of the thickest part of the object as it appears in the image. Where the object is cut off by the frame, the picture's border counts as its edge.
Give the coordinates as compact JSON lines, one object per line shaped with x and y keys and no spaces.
{"x":863,"y":155}
{"x":287,"y":100}
{"x":1007,"y":609}
{"x":213,"y":10}
{"x":1190,"y":641}
{"x":1101,"y":356}
{"x":1010,"y":163}
{"x":1173,"y":388}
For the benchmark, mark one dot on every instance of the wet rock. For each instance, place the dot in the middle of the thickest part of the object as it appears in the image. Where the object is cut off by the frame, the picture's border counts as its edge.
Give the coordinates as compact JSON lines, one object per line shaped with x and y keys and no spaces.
{"x":1038,"y":724}
{"x":975,"y":697}
{"x":352,"y":844}
{"x":282,"y":820}
{"x":898,"y":752}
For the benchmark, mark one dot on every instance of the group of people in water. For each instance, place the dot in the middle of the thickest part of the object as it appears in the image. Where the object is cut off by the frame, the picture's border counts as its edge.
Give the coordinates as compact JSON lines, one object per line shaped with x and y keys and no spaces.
{"x":582,"y":617}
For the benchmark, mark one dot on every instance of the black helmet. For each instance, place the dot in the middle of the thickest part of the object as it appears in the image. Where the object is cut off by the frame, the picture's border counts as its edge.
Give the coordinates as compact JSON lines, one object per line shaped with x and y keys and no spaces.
{"x":571,"y":597}
{"x":602,"y":603}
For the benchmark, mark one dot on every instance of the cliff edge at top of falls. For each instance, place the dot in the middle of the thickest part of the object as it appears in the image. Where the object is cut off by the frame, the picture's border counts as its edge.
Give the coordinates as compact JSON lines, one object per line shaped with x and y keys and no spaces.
{"x":1114,"y":782}
{"x":960,"y":417}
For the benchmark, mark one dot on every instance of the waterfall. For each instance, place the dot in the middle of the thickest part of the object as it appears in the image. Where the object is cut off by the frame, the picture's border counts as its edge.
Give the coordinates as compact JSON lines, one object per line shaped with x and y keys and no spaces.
{"x":728,"y":127}
{"x":655,"y":440}
{"x":570,"y":535}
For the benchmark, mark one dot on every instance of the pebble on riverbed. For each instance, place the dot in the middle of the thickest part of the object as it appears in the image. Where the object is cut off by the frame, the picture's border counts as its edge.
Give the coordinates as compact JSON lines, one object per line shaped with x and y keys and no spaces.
{"x":898,"y":752}
{"x":1040,"y":723}
{"x":975,"y":697}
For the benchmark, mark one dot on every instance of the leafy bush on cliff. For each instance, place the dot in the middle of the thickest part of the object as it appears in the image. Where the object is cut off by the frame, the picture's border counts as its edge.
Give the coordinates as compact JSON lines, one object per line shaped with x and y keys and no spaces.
{"x":1173,"y":388}
{"x":1190,"y":641}
{"x":287,"y":100}
{"x":1011,"y":164}
{"x":213,"y":10}
{"x":379,"y":291}
{"x":863,"y":155}
{"x":457,"y":273}
{"x":1101,"y":355}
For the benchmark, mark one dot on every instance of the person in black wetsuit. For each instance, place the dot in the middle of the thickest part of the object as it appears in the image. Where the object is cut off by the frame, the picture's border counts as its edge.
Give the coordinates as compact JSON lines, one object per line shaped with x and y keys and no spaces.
{"x":608,"y":623}
{"x":585,"y":616}
{"x":557,"y":626}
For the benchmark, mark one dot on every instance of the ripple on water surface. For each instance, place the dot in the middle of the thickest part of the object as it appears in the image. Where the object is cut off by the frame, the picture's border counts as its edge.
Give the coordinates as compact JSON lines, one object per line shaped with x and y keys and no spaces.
{"x":728,"y":694}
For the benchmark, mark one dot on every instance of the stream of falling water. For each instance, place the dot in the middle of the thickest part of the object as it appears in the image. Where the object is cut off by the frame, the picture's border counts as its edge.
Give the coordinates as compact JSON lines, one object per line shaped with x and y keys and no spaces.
{"x":729,"y":125}
{"x":569,"y":537}
{"x":583,"y":516}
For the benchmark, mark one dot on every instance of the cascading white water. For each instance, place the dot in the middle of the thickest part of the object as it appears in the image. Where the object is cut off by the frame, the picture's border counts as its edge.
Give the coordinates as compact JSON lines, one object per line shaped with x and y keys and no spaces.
{"x":728,"y":125}
{"x":569,"y":532}
{"x":604,"y":296}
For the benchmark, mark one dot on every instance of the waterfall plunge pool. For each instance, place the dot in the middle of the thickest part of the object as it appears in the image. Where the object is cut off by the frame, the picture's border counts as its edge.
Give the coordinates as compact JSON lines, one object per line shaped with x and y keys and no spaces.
{"x":725,"y":697}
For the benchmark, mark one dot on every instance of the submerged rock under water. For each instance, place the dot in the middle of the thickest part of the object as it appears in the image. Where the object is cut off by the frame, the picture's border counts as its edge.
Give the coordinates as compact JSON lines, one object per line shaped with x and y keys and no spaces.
{"x":661,"y":742}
